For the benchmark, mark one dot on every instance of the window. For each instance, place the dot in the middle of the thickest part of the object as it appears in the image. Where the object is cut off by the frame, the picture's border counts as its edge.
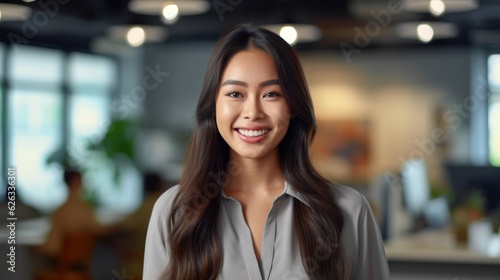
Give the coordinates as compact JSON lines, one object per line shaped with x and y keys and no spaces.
{"x":91,"y":79}
{"x":34,"y":122}
{"x":57,"y":99}
{"x":494,"y":108}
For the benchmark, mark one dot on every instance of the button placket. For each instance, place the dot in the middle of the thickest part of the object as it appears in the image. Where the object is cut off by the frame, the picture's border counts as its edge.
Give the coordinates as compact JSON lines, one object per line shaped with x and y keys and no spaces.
{"x":270,"y":237}
{"x":247,"y":246}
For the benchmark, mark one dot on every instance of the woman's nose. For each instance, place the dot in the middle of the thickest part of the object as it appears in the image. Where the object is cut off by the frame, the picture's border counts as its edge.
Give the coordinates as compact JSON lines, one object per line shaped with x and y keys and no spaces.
{"x":252,"y":109}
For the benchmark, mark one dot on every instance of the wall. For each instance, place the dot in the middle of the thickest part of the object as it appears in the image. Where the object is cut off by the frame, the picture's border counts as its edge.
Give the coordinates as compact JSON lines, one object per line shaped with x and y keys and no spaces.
{"x":172,"y":104}
{"x":400,"y":93}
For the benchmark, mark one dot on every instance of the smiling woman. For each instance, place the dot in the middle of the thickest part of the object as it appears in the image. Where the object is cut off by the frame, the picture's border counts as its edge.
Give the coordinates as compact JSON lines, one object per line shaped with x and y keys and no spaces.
{"x":250,"y":107}
{"x":249,"y":204}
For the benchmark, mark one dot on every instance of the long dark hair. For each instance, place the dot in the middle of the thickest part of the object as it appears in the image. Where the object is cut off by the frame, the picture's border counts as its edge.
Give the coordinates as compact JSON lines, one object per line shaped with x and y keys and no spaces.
{"x":195,"y":250}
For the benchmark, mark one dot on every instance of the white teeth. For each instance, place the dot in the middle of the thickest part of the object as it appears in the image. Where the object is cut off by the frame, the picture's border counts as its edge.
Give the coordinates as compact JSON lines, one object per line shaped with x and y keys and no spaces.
{"x":253,"y":133}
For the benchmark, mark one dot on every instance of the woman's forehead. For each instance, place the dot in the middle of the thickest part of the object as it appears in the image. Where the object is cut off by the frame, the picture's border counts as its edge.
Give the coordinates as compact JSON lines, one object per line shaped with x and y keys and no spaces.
{"x":252,"y":65}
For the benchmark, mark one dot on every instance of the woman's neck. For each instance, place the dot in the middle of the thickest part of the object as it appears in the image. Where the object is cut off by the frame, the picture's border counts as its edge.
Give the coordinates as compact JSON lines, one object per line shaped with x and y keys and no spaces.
{"x":261,"y":175}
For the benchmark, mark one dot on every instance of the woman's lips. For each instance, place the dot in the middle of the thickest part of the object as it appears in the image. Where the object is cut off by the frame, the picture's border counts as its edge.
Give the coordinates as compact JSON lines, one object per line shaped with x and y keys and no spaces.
{"x":252,"y":132}
{"x":252,"y":135}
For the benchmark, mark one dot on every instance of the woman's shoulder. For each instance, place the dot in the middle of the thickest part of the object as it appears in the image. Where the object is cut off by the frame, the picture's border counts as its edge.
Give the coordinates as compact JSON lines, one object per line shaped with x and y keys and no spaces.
{"x":364,"y":256}
{"x":164,"y":202}
{"x":350,"y":201}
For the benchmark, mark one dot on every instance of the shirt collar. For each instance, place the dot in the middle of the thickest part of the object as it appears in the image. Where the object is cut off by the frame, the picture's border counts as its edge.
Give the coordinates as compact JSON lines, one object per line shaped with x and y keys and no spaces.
{"x":292,"y":192}
{"x":289,"y":190}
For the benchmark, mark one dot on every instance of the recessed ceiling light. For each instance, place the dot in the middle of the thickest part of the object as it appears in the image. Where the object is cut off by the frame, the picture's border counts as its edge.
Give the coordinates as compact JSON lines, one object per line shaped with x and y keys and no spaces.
{"x":437,"y":7}
{"x":155,"y":7}
{"x":423,"y":6}
{"x":289,"y":33}
{"x":296,"y":33}
{"x":11,"y":12}
{"x":136,"y":35}
{"x":170,"y":12}
{"x":426,"y":31}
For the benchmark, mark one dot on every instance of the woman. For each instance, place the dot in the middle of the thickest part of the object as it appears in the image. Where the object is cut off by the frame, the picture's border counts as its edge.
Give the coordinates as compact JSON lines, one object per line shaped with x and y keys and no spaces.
{"x":249,"y":204}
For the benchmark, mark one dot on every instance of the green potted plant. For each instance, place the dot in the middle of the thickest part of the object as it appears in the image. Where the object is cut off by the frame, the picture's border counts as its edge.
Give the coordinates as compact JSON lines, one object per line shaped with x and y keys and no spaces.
{"x":118,"y":144}
{"x":463,"y":214}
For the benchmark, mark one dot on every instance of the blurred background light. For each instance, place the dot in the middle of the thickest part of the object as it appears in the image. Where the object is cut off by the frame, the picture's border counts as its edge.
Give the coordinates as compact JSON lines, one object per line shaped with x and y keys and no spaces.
{"x":425,"y":32}
{"x":13,"y":12}
{"x":136,"y":35}
{"x":422,"y":6}
{"x":170,"y":12}
{"x":437,"y":7}
{"x":289,"y":34}
{"x":296,"y":33}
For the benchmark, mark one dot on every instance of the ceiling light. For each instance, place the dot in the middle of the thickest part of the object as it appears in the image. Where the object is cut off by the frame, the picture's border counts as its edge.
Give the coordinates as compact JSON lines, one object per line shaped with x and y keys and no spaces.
{"x":426,"y":31}
{"x":155,"y":7}
{"x":296,"y":33}
{"x":437,"y":7}
{"x":12,"y":12}
{"x":289,"y":34}
{"x":136,"y":35}
{"x":422,"y":6}
{"x":170,"y":12}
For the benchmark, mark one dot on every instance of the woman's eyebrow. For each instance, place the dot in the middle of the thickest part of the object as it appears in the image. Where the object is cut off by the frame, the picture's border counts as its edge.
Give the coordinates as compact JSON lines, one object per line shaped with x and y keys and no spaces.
{"x":269,"y":83}
{"x":243,"y":84}
{"x":234,"y":82}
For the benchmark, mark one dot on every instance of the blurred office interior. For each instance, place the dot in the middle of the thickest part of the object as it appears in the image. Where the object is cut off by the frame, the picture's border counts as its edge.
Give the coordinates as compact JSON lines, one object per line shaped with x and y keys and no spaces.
{"x":406,"y":95}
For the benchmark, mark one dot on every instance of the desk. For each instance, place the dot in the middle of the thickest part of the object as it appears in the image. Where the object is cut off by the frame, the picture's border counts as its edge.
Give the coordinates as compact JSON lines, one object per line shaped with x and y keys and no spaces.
{"x":34,"y":231}
{"x":434,"y":255}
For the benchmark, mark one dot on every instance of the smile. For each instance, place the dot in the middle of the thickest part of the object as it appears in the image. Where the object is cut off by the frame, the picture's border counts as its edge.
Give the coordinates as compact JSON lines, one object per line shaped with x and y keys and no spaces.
{"x":253,"y":133}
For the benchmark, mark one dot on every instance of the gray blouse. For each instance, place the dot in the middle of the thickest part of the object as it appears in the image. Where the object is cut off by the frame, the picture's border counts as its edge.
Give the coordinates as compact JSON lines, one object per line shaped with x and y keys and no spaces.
{"x":363,"y":249}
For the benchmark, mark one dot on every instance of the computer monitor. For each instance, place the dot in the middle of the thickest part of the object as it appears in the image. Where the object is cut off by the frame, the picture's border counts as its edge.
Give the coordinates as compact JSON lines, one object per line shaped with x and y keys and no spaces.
{"x":465,"y":179}
{"x":416,"y":189}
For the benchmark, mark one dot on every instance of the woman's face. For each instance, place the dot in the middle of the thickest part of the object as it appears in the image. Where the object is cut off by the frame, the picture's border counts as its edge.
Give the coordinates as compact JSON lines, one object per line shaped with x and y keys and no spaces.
{"x":251,"y":111}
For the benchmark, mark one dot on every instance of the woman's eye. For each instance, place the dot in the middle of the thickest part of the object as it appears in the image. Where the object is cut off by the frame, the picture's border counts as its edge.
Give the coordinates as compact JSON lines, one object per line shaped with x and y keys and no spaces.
{"x":272,"y":94}
{"x":234,"y":94}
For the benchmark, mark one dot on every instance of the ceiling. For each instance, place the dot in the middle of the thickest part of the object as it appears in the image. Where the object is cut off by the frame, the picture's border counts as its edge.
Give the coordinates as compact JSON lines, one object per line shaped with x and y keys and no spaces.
{"x":78,"y":22}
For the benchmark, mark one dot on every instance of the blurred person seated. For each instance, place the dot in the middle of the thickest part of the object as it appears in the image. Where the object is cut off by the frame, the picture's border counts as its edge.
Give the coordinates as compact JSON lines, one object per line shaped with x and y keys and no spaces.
{"x":73,"y":233}
{"x":134,"y":227}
